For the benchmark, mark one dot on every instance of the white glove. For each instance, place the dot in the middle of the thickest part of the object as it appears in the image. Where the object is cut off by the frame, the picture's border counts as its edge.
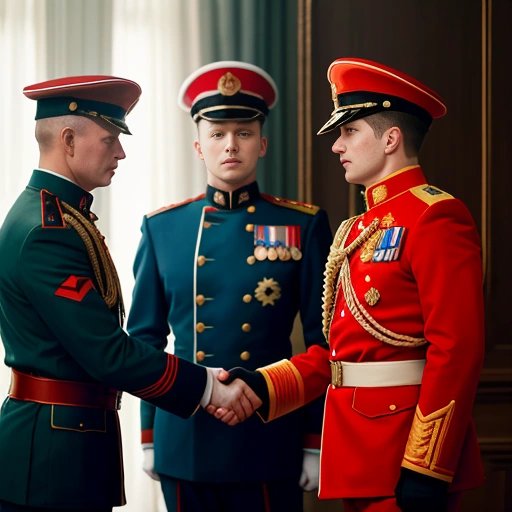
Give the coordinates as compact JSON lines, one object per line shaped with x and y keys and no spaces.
{"x":310,"y":470}
{"x":148,"y":463}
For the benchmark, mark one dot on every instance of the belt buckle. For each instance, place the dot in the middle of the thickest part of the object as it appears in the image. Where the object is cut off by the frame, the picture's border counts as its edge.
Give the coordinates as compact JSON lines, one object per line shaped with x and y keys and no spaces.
{"x":336,"y":374}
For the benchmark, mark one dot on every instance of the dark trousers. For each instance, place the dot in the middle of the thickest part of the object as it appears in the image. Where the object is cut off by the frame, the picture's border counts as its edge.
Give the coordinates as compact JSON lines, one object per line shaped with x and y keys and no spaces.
{"x":275,"y":496}
{"x":12,"y":507}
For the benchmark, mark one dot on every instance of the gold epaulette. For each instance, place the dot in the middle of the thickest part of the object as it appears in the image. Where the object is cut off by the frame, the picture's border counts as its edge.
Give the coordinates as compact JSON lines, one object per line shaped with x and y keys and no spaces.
{"x":429,"y":194}
{"x":289,"y":203}
{"x":175,"y":205}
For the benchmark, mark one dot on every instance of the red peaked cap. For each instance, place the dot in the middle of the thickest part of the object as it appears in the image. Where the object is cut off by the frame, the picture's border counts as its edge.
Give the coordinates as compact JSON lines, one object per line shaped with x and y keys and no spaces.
{"x":363,"y":87}
{"x":97,"y":96}
{"x":228,"y":90}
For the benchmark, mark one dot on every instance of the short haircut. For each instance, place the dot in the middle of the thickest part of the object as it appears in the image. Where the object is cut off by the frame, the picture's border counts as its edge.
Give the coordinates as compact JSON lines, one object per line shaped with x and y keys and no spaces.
{"x":49,"y":128}
{"x":413,"y":128}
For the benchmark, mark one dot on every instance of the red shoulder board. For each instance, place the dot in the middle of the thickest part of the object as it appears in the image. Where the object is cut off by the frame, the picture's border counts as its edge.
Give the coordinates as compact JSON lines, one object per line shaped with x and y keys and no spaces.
{"x":294,"y":205}
{"x":51,"y":213}
{"x":175,"y":205}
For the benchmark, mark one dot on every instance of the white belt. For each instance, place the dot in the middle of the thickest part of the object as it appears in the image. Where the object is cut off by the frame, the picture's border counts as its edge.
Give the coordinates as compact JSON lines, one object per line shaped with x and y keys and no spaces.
{"x":377,"y":374}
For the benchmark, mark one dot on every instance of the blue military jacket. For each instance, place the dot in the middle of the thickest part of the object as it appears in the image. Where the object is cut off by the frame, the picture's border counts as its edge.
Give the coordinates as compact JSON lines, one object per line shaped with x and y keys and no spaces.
{"x":59,"y":319}
{"x":228,"y":272}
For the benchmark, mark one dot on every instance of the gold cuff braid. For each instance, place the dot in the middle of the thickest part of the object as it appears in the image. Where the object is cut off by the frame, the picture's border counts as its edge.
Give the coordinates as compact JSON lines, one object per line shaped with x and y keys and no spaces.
{"x":426,"y":440}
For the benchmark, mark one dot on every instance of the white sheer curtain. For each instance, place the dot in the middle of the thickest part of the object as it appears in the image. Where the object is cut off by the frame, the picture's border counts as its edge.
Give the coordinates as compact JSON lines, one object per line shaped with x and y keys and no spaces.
{"x":156,"y":44}
{"x":22,"y":54}
{"x":23,"y":58}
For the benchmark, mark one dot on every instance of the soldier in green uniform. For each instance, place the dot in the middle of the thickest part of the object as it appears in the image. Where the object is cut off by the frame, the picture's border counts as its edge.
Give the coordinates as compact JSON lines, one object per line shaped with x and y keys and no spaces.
{"x":228,"y":271}
{"x":61,"y":313}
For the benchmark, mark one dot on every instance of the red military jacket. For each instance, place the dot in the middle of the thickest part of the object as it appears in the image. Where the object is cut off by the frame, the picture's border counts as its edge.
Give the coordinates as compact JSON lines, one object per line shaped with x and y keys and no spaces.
{"x":411,"y":288}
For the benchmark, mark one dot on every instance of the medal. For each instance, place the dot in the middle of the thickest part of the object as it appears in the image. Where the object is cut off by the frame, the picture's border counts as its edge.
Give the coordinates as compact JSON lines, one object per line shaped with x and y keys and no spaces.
{"x":260,"y":253}
{"x":277,"y":242}
{"x":272,"y":253}
{"x":283,"y":253}
{"x":296,"y":254}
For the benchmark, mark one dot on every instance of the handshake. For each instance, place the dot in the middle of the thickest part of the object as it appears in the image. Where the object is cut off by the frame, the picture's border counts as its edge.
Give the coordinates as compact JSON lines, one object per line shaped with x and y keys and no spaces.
{"x":235,"y":394}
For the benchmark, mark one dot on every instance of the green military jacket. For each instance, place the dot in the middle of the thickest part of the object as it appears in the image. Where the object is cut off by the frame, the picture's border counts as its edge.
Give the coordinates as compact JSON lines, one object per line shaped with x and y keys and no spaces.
{"x":60,"y":309}
{"x":228,"y":273}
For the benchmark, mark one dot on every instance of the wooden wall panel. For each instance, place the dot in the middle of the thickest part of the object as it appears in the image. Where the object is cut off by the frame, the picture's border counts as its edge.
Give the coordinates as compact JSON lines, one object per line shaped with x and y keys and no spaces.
{"x":462,"y":49}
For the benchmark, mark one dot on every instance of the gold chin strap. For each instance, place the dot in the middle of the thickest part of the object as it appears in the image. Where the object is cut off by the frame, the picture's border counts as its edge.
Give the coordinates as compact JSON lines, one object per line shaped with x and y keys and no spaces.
{"x":337,"y":270}
{"x":105,"y":272}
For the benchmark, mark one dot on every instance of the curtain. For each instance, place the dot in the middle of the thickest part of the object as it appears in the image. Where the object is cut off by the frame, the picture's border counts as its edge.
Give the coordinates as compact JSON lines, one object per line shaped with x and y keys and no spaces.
{"x":263,"y":32}
{"x":23,"y":58}
{"x":22,"y":54}
{"x":156,"y":44}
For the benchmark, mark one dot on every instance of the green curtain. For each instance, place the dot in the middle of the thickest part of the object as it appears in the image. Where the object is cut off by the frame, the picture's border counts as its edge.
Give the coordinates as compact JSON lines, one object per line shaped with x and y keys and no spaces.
{"x":264,"y":33}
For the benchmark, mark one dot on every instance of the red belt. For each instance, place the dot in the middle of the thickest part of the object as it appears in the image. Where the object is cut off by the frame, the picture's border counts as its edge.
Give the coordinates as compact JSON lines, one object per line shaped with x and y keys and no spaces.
{"x":62,"y":392}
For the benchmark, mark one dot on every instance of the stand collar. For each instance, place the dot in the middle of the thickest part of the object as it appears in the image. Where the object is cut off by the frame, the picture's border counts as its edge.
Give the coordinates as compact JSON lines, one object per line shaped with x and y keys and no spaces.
{"x":393,"y":185}
{"x":232,"y":200}
{"x":64,"y":189}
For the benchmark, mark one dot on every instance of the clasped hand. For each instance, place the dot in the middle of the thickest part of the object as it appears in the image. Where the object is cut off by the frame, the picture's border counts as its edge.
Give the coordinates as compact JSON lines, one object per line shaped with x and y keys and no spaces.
{"x":231,"y":403}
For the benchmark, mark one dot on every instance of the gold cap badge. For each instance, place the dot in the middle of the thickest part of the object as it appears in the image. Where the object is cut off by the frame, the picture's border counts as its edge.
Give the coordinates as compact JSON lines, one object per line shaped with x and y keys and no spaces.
{"x":228,"y":84}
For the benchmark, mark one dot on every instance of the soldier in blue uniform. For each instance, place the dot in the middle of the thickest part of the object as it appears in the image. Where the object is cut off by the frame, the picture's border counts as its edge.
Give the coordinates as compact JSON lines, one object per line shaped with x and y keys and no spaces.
{"x":228,"y":271}
{"x":61,"y":312}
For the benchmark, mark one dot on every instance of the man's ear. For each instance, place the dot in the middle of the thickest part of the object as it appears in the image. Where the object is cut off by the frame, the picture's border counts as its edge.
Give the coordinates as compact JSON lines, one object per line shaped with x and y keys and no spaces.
{"x":197,"y":147}
{"x":67,"y":136}
{"x":393,"y":139}
{"x":263,"y":146}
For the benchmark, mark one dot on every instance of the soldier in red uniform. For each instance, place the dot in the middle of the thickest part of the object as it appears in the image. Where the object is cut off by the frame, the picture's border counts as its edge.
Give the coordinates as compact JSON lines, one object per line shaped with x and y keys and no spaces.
{"x":403,"y":314}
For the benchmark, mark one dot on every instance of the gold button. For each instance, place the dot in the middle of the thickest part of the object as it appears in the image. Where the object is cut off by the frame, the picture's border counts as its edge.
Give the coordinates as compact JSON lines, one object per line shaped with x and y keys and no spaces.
{"x":392,"y":407}
{"x":206,"y":224}
{"x":200,"y":327}
{"x":367,"y":279}
{"x":247,"y":298}
{"x":251,"y":260}
{"x":249,"y":228}
{"x":73,"y":106}
{"x":245,"y":355}
{"x":246,"y":327}
{"x":200,"y":355}
{"x":200,"y":300}
{"x":251,"y":209}
{"x":201,"y":260}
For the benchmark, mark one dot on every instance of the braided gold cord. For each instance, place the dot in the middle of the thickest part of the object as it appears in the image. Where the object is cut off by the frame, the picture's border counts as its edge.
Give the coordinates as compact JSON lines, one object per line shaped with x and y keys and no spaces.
{"x":337,"y":271}
{"x":105,"y":272}
{"x":367,"y":322}
{"x":82,"y":232}
{"x":334,"y":264}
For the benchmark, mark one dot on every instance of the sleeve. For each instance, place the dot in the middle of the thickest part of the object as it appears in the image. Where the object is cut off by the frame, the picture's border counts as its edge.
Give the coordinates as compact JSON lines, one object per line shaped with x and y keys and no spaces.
{"x":147,"y":320}
{"x":445,"y":257}
{"x":316,"y":249}
{"x":90,"y":333}
{"x":294,"y":382}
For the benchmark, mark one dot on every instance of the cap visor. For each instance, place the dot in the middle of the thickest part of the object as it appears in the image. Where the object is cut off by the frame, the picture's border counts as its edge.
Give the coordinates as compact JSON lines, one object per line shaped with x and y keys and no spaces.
{"x":337,"y":117}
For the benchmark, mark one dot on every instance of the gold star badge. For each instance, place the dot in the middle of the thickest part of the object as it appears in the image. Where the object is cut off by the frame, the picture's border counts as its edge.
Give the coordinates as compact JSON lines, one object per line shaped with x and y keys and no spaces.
{"x":268,"y":291}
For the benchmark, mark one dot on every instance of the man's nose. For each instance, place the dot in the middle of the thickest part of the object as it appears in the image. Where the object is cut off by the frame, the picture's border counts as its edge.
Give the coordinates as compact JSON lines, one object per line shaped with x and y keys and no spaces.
{"x":231,"y":145}
{"x":338,"y":146}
